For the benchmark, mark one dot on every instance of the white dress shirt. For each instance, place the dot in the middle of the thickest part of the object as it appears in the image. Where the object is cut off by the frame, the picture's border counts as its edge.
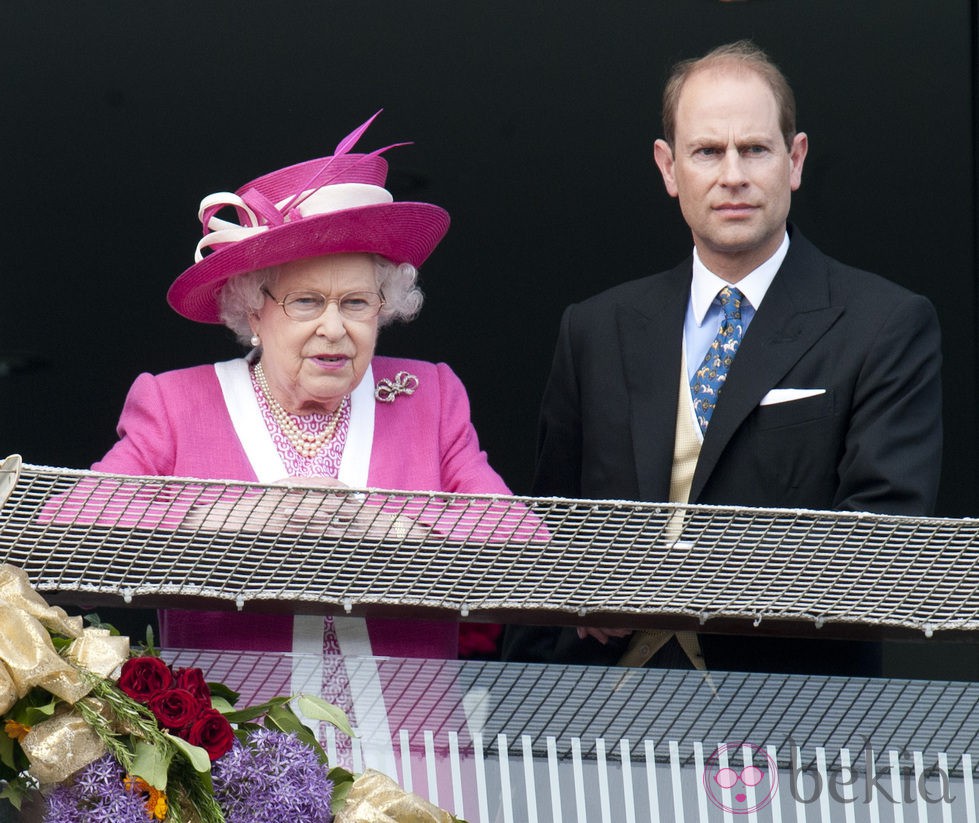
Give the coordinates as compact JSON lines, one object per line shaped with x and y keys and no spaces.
{"x":704,"y":312}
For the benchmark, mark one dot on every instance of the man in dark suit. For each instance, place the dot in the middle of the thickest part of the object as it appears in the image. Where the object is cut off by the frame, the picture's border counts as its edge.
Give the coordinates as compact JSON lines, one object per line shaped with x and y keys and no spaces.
{"x":758,"y":372}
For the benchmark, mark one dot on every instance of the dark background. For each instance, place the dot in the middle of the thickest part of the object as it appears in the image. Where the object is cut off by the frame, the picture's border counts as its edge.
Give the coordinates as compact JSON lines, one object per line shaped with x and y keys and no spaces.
{"x":532,"y":124}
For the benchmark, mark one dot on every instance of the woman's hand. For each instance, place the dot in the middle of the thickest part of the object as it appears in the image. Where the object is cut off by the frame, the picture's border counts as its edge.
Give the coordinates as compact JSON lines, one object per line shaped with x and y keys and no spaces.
{"x":293,"y":507}
{"x":325,"y":482}
{"x":602,"y":635}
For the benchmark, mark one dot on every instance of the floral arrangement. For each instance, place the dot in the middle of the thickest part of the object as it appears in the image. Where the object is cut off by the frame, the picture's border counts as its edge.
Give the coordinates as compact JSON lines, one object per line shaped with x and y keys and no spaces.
{"x":93,"y":733}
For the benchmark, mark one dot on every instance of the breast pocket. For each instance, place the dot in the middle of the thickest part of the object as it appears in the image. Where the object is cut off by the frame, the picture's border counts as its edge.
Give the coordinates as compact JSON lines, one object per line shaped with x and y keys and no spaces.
{"x":796,"y":448}
{"x":795,"y":412}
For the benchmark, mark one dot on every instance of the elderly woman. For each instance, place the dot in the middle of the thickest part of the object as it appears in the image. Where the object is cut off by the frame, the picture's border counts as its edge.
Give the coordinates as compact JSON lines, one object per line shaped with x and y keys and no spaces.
{"x":321,"y":258}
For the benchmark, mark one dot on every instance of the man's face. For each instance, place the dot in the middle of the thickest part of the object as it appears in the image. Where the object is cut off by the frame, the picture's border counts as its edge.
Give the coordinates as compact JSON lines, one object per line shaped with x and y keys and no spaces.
{"x":730,"y":169}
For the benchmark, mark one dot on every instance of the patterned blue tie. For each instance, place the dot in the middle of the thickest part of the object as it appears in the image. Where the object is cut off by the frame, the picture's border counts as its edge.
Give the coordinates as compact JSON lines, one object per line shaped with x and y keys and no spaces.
{"x":709,"y":378}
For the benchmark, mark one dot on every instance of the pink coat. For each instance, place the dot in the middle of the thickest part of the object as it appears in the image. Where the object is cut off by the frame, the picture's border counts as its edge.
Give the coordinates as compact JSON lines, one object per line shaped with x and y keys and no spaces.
{"x":177,"y":424}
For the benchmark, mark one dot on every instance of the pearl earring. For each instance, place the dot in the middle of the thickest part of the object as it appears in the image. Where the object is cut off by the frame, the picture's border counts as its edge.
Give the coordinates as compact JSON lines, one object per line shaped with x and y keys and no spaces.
{"x":256,"y":341}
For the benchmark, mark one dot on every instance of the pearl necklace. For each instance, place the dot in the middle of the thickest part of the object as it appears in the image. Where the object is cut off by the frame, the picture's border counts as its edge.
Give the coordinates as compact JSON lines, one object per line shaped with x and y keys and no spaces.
{"x":308,"y":445}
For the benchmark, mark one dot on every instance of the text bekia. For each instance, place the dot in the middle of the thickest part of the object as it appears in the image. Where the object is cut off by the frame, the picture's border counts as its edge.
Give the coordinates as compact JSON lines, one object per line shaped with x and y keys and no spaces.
{"x":849,"y":786}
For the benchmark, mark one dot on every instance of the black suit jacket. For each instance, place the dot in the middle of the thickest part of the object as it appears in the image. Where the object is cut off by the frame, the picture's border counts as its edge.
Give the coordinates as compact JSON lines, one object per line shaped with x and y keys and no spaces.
{"x":870,"y":442}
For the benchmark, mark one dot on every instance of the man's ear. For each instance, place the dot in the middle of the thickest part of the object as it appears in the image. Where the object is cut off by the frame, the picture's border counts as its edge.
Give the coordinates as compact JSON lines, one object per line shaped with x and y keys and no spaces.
{"x":663,"y":155}
{"x":797,"y":156}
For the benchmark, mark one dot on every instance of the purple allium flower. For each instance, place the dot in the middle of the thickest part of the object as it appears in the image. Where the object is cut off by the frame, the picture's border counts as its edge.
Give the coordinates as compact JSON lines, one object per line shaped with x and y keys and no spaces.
{"x":95,"y":795}
{"x":274,"y":777}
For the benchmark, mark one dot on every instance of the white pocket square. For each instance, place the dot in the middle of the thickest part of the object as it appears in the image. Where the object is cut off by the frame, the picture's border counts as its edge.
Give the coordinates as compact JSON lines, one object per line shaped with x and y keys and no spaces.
{"x":788,"y":395}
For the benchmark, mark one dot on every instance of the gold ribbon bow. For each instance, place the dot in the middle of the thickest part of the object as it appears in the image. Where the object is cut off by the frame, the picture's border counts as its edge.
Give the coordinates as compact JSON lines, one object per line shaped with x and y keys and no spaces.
{"x":29,"y":660}
{"x":59,"y":747}
{"x":376,"y":798}
{"x":403,"y":383}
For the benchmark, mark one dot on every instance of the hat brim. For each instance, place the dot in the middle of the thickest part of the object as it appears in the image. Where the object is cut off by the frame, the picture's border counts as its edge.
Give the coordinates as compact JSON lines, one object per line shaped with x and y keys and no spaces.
{"x":403,"y":232}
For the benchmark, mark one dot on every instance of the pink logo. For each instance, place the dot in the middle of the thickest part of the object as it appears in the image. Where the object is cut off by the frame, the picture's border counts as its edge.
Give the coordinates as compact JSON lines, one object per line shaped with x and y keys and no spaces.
{"x":749,"y":786}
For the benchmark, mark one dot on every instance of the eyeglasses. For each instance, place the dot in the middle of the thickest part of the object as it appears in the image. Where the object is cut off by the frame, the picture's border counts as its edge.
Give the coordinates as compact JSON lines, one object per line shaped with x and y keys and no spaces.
{"x":310,"y":305}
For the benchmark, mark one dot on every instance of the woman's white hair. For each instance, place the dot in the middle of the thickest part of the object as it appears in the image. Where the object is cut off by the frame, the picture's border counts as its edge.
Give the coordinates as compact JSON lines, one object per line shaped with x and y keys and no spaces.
{"x":242,"y":295}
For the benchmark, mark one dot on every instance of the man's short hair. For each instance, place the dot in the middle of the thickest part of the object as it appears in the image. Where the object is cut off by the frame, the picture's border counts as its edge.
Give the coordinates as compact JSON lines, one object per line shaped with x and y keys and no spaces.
{"x":742,"y":55}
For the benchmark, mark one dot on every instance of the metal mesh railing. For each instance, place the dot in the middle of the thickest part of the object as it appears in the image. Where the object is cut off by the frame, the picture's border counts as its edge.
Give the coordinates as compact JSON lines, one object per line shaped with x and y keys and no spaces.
{"x":165,"y":541}
{"x":519,"y":700}
{"x":495,"y":741}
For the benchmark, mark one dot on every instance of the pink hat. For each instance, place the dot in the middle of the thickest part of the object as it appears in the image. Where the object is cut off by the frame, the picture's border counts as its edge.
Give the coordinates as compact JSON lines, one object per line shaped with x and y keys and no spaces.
{"x":325,"y":206}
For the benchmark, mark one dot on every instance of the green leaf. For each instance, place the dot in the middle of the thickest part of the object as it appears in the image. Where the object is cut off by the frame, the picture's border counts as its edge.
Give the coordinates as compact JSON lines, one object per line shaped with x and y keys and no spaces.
{"x":316,"y":708}
{"x":96,"y":622}
{"x":7,"y":751}
{"x":242,"y":730}
{"x":14,"y":792}
{"x":32,"y":715}
{"x":152,"y":764}
{"x":251,"y":712}
{"x":195,"y":754}
{"x":339,"y":775}
{"x":342,"y":782}
{"x":219,"y":690}
{"x":221,"y":705}
{"x":147,"y":647}
{"x":285,"y":720}
{"x":35,"y":698}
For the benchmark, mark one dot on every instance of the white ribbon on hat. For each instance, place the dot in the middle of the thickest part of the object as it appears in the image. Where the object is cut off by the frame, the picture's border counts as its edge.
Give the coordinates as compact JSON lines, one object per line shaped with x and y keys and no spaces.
{"x":324,"y":200}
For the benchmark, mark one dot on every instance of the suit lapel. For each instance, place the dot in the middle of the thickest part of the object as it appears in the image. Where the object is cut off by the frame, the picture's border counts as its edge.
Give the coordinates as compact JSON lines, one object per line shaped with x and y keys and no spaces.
{"x":795,"y":314}
{"x":650,"y":337}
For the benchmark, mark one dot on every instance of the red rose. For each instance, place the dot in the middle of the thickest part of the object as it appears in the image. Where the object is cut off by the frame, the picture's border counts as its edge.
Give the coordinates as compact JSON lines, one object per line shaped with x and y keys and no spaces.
{"x":193,"y":681}
{"x":143,"y":677}
{"x":212,"y":732}
{"x":176,"y":708}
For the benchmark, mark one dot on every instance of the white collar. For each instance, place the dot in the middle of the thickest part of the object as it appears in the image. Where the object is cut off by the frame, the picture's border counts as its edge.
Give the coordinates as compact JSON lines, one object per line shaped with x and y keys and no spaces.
{"x":705,"y":284}
{"x":249,"y":425}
